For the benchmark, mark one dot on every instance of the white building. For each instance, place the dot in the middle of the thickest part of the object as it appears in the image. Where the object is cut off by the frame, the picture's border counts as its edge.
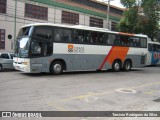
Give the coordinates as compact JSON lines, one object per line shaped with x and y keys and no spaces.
{"x":16,"y":13}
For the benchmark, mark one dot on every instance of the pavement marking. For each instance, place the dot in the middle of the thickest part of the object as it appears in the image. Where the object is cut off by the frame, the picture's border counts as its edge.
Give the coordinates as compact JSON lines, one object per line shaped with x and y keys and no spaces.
{"x":82,"y":97}
{"x":105,"y":92}
{"x":150,"y":92}
{"x":91,"y":94}
{"x":86,"y":96}
{"x":125,"y":90}
{"x":57,"y":106}
{"x":144,"y":85}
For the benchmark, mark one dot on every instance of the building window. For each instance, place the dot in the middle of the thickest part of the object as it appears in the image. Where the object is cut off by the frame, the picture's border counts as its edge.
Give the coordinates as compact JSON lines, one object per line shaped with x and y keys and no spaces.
{"x":70,"y":18}
{"x":3,"y":6}
{"x":95,"y":22}
{"x":113,"y":26}
{"x":2,"y":39}
{"x":37,"y":12}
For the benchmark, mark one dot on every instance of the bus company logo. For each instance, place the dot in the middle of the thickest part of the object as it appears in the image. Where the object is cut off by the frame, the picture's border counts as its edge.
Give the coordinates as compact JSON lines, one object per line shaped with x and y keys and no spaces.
{"x":156,"y":55}
{"x":70,"y":48}
{"x":73,"y":49}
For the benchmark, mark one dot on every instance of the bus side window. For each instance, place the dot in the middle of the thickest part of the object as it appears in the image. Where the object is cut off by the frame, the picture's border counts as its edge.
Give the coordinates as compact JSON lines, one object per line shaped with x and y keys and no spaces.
{"x":75,"y":36}
{"x":131,"y":40}
{"x":58,"y":34}
{"x":83,"y":36}
{"x":134,"y":41}
{"x":119,"y":40}
{"x":80,"y":36}
{"x":43,"y":32}
{"x":150,"y":47}
{"x":101,"y":37}
{"x":158,"y":48}
{"x":143,"y":42}
{"x":122,"y":40}
{"x":106,"y":39}
{"x":94,"y":37}
{"x":66,"y":35}
{"x":137,"y":42}
{"x":87,"y":37}
{"x":111,"y":39}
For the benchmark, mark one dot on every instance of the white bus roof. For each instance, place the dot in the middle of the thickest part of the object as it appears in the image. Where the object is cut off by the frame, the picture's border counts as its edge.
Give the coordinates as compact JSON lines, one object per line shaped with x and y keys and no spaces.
{"x":72,"y":26}
{"x":84,"y":28}
{"x":152,"y":42}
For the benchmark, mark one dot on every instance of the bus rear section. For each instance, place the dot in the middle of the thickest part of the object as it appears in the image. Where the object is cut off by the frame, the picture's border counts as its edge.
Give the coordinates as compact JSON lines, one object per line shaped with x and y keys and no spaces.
{"x":153,"y":55}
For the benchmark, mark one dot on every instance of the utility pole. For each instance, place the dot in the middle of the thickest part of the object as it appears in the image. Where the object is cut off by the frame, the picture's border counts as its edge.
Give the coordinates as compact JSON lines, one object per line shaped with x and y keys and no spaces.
{"x":15,"y":22}
{"x":108,"y":9}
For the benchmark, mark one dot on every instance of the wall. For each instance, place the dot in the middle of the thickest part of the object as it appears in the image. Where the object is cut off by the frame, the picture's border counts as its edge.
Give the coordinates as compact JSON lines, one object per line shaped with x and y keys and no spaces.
{"x":54,"y":16}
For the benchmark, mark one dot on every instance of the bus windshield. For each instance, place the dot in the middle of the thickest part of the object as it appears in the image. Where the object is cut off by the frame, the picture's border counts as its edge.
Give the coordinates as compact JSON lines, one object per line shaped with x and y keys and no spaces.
{"x":34,"y":41}
{"x":22,"y":47}
{"x":26,"y":31}
{"x":22,"y":43}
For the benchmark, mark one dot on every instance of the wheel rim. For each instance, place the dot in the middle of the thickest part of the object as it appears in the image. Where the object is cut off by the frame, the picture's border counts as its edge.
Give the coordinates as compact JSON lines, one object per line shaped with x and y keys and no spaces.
{"x":117,"y":66}
{"x":57,"y":68}
{"x":128,"y":66}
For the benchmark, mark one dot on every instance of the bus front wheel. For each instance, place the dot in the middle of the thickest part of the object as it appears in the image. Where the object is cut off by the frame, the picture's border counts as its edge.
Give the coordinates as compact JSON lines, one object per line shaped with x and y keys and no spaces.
{"x":56,"y":67}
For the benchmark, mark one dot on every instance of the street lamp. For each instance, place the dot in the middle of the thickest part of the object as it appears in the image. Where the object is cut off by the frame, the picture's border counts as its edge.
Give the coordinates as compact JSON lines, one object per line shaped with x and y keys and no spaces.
{"x":108,"y":9}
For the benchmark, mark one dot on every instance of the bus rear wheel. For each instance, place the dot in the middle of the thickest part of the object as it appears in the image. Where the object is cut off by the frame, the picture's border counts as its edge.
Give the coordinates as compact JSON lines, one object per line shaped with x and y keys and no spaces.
{"x":56,"y":67}
{"x":127,"y":65}
{"x":116,"y":66}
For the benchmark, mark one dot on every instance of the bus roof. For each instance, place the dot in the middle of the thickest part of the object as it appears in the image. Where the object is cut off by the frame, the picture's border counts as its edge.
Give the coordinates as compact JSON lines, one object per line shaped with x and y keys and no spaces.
{"x":84,"y":28}
{"x":152,"y":42}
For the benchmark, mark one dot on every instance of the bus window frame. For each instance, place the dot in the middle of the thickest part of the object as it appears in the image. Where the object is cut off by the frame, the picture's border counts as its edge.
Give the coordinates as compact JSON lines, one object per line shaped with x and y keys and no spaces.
{"x":62,"y":28}
{"x":51,"y":28}
{"x":104,"y":43}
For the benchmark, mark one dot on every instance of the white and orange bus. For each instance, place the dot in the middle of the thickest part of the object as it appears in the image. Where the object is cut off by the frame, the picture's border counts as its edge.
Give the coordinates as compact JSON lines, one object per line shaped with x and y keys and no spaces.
{"x":45,"y":47}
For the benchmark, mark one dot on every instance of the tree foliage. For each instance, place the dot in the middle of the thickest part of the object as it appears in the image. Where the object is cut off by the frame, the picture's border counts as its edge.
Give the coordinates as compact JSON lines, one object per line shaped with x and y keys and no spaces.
{"x":141,"y":17}
{"x":128,"y":3}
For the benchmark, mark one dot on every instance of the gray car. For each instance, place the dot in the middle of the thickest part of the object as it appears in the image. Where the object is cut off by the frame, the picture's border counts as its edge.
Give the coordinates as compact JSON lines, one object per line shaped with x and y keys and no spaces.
{"x":6,"y":61}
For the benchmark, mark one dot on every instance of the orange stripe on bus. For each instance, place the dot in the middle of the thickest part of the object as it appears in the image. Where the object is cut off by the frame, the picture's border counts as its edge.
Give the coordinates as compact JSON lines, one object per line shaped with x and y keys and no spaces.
{"x":128,"y":34}
{"x":115,"y":53}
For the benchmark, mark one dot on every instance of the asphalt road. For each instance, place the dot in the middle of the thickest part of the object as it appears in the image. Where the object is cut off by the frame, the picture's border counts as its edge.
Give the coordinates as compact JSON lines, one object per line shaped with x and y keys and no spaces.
{"x":137,"y":90}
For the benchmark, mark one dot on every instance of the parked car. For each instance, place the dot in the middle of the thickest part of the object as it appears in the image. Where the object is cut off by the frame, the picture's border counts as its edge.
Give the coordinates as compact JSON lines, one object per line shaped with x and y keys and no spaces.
{"x":6,"y":61}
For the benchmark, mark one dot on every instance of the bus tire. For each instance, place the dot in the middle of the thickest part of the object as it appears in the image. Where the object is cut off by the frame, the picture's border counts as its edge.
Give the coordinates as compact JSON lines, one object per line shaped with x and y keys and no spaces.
{"x":1,"y":68}
{"x":127,"y":65}
{"x":56,"y":67}
{"x":116,"y":66}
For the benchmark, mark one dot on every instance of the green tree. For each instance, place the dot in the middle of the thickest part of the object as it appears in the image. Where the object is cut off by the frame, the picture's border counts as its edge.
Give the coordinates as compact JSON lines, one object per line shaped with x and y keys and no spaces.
{"x":151,"y":10}
{"x":140,"y":17}
{"x":128,"y":3}
{"x":128,"y":23}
